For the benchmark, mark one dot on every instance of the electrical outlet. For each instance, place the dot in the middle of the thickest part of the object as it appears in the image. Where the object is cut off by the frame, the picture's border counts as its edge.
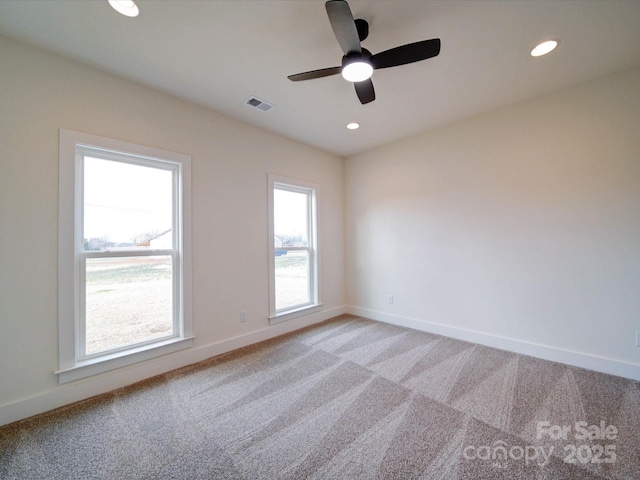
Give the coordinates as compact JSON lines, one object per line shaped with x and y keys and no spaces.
{"x":243,"y":316}
{"x":638,"y":338}
{"x":390,"y":299}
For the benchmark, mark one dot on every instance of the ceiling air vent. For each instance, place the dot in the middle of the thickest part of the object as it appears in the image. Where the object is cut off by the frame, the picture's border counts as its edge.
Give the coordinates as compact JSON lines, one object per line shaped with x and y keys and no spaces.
{"x":259,"y":104}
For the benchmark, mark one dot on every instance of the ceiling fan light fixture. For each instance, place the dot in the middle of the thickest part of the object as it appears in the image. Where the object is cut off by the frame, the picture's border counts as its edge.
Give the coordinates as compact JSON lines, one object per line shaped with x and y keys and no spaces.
{"x":356,"y":70}
{"x":358,"y":63}
{"x":128,"y":8}
{"x":544,"y":48}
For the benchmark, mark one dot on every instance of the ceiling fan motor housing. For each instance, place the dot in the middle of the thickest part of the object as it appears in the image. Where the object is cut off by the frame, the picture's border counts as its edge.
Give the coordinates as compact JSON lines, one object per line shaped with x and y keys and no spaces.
{"x":351,"y":57}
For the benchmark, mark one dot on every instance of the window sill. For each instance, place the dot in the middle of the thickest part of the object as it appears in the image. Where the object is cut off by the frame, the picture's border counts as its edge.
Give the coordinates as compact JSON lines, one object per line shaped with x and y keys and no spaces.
{"x":291,"y":314}
{"x":107,"y":362}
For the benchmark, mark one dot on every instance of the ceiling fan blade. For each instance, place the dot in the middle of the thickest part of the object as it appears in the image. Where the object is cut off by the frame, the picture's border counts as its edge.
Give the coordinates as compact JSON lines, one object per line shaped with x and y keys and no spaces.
{"x":343,"y":25}
{"x":412,"y":52}
{"x":323,"y":72}
{"x":365,"y":91}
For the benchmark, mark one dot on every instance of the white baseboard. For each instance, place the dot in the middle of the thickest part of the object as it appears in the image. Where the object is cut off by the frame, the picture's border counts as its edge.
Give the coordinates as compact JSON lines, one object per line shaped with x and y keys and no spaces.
{"x":576,"y":359}
{"x":106,"y":382}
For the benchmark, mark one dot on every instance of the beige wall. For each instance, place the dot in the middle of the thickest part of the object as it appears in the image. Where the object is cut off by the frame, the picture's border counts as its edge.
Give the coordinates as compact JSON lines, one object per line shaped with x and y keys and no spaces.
{"x":40,"y":93}
{"x":519,"y":228}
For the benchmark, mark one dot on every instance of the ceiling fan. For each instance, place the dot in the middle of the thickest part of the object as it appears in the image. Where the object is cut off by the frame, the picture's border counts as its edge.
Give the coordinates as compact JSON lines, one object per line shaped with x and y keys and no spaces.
{"x":358,"y":63}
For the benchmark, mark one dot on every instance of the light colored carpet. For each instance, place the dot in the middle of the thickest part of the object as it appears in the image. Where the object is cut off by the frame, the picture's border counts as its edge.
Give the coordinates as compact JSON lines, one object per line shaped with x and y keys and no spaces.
{"x":347,"y":399}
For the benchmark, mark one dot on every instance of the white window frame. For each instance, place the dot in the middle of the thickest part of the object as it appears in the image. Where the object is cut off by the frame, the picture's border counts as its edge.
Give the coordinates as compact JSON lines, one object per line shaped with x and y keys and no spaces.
{"x":73,"y":363}
{"x":313,"y":251}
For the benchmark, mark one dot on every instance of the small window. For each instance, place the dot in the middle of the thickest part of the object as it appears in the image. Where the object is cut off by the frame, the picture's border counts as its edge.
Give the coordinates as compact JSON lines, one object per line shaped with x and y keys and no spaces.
{"x":293,"y":248}
{"x":124,"y":259}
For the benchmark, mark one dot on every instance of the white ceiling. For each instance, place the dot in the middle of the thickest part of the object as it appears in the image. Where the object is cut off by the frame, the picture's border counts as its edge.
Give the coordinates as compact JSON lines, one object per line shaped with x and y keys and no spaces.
{"x":219,"y":53}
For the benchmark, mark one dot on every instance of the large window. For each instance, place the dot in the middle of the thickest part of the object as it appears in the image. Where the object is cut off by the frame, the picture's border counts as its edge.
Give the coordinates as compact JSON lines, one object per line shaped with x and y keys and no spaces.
{"x":123,"y":254}
{"x":293,"y":248}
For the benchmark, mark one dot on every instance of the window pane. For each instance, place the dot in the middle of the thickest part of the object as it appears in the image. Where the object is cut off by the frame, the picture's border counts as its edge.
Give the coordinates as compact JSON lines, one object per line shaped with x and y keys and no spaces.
{"x":292,"y":278}
{"x":290,"y":211}
{"x":128,"y":300}
{"x":126,"y":205}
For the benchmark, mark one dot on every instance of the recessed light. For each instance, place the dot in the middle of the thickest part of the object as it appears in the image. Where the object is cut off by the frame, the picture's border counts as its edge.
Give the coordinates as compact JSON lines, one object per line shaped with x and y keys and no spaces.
{"x":128,"y":8}
{"x":353,"y":126}
{"x":544,"y":48}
